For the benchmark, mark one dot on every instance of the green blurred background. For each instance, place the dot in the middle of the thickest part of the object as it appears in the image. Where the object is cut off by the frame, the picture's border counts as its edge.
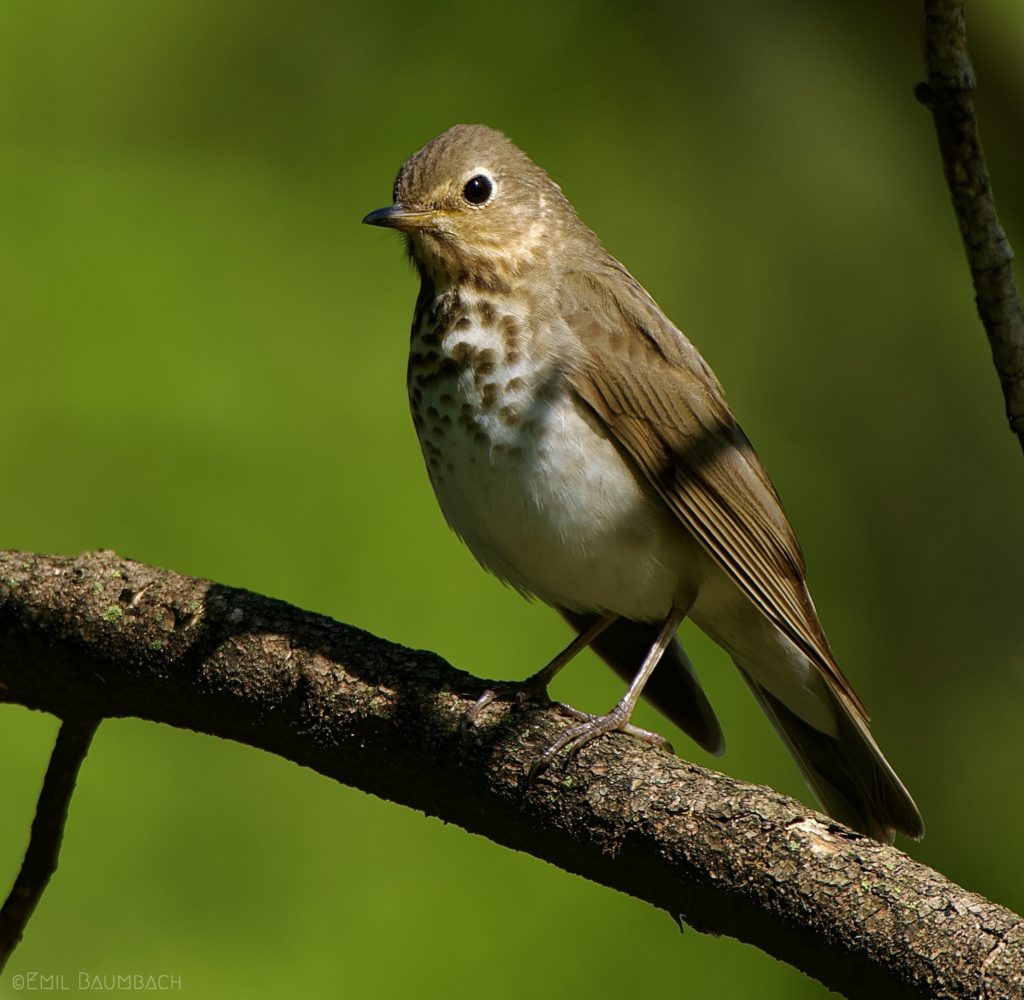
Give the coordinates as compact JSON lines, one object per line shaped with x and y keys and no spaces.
{"x":202,"y":362}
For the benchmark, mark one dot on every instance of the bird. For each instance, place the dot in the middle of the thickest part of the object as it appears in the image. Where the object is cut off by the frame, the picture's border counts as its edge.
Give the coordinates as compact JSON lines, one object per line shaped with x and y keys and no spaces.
{"x":584,"y":451}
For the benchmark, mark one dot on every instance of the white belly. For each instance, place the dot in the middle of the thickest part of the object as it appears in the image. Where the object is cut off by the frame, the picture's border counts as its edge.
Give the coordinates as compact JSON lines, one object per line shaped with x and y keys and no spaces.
{"x":536,"y":488}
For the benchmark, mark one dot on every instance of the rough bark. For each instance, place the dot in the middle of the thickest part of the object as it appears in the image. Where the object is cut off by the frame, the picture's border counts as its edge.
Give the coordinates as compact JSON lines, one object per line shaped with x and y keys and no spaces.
{"x":99,"y":635}
{"x":947,"y":93}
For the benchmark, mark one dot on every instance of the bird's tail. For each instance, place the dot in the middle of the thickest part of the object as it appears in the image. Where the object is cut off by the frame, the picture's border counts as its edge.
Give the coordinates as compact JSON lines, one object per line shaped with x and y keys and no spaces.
{"x":673,"y":689}
{"x":846,"y":771}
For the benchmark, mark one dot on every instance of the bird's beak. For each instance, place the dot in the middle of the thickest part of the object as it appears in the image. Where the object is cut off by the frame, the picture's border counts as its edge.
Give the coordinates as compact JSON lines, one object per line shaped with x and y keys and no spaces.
{"x":399,"y":217}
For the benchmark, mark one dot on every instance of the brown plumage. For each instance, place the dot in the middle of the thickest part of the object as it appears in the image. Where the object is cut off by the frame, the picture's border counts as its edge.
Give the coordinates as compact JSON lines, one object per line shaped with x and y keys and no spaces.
{"x":585,"y":452}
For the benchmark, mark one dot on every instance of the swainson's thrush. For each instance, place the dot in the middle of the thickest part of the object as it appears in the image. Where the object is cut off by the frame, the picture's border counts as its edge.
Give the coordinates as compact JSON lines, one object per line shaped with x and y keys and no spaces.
{"x":584,"y":451}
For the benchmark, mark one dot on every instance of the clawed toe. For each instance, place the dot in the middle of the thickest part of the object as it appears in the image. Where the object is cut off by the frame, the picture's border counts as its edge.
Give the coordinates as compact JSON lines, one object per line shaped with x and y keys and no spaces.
{"x":520,"y":694}
{"x":576,"y":737}
{"x":472,"y":714}
{"x":655,"y":739}
{"x":573,"y":740}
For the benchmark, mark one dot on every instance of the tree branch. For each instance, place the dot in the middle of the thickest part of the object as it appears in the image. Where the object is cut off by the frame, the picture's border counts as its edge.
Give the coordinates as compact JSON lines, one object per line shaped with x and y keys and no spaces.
{"x":40,"y":862}
{"x":111,"y":637}
{"x":947,"y":93}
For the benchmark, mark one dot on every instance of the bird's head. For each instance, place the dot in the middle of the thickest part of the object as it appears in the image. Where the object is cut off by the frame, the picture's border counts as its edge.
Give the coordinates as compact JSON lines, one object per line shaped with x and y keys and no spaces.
{"x":475,"y":208}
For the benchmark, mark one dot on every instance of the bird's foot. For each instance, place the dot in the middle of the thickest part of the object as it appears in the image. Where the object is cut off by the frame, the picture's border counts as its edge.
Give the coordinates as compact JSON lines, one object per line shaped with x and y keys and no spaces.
{"x":589,"y":728}
{"x":520,"y":693}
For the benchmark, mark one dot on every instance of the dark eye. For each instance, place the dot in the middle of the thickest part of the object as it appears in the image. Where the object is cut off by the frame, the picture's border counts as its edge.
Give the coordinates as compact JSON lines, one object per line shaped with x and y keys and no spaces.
{"x":478,"y":189}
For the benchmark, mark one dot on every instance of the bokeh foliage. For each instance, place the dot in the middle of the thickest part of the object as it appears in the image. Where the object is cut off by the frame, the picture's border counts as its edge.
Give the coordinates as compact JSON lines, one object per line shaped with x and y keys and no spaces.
{"x":202,"y":366}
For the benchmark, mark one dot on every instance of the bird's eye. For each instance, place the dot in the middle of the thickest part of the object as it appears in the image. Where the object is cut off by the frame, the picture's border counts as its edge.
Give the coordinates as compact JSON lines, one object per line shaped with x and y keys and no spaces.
{"x":478,"y":189}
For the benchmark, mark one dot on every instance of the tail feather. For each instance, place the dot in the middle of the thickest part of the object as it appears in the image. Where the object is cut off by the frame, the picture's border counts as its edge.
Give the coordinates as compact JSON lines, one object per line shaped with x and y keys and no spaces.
{"x":844,"y":768}
{"x":847,"y":772}
{"x":673,"y":689}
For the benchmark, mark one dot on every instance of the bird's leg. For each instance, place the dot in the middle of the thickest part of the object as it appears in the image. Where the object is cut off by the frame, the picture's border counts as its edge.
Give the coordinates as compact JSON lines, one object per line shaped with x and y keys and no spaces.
{"x":617,"y":720}
{"x":535,"y":688}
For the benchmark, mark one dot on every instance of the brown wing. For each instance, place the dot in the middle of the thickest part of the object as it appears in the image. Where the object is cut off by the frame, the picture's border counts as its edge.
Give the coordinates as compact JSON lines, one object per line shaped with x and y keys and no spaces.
{"x":665,"y":406}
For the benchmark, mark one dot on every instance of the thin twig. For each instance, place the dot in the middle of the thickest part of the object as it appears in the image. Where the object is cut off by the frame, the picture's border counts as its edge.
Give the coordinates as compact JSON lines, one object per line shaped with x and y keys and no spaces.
{"x":40,"y":862}
{"x":947,"y":93}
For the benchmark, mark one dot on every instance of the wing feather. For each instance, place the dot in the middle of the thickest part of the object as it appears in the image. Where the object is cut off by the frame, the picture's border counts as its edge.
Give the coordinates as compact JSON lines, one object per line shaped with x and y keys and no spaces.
{"x":647,"y":383}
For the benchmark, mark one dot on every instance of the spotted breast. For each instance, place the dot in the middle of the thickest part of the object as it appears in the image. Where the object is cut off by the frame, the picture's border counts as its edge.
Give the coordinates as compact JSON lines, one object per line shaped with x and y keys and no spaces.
{"x":524,"y":474}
